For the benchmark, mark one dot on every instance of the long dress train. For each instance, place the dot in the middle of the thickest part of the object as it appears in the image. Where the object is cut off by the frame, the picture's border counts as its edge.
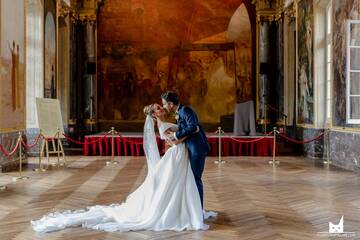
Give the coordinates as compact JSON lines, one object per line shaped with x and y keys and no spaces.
{"x":168,"y":198}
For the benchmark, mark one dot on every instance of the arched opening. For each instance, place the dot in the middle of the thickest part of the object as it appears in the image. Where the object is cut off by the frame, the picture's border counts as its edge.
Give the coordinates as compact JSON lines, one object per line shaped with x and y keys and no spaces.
{"x":239,"y":32}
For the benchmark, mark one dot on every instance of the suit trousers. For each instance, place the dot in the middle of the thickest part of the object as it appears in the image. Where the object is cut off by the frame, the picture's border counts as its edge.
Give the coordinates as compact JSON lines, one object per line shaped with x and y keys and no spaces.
{"x":197,"y":162}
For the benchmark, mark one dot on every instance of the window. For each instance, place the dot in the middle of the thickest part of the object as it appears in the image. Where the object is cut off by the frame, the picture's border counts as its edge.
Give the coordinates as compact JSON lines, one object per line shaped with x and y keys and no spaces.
{"x":328,"y":60}
{"x":353,"y":72}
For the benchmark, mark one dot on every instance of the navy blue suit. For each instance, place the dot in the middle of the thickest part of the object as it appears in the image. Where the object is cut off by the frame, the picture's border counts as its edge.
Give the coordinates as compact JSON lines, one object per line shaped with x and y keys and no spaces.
{"x":196,"y":142}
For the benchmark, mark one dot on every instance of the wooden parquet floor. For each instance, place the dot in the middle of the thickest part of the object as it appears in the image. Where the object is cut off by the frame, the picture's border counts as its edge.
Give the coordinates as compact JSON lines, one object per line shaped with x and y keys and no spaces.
{"x":295,"y":200}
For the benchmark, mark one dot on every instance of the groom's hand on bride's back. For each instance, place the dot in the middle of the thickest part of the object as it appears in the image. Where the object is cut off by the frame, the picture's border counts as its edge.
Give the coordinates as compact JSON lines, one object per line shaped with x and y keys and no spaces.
{"x":176,"y":142}
{"x":170,"y":135}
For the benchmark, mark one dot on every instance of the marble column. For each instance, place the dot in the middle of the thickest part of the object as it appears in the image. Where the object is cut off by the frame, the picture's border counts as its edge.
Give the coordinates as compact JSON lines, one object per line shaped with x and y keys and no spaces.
{"x":73,"y":105}
{"x":270,"y":89}
{"x":64,"y":68}
{"x":83,"y":78}
{"x":279,"y":74}
{"x":89,"y":110}
{"x":264,"y":67}
{"x":34,"y":67}
{"x":289,"y":68}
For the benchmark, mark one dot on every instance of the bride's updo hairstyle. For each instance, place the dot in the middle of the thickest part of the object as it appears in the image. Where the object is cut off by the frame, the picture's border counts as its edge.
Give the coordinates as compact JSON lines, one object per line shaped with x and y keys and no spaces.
{"x":149,"y":110}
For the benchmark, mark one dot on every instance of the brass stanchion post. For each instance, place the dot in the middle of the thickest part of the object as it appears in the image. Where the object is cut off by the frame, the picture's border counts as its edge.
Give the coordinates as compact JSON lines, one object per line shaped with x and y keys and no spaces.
{"x":274,"y":162}
{"x":112,"y":145}
{"x":327,"y":161}
{"x":112,"y":158}
{"x":20,"y":177}
{"x":265,"y":118}
{"x":59,"y":149}
{"x":219,"y":161}
{"x":3,"y":188}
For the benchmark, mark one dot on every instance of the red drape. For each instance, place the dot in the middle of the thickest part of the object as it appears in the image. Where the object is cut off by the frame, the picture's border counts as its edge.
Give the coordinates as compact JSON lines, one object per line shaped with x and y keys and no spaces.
{"x":133,"y":146}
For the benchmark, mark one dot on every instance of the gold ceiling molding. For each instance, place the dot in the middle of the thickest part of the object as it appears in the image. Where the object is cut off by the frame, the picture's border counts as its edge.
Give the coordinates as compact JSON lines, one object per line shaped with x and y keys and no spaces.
{"x":85,"y":17}
{"x":269,"y":17}
{"x":269,"y":10}
{"x":80,"y":11}
{"x":290,"y":12}
{"x":274,"y":5}
{"x":64,"y":10}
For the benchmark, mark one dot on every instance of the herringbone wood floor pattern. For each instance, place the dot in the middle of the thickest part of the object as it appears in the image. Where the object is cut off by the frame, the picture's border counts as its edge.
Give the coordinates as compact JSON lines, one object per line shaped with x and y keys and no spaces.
{"x":295,"y":200}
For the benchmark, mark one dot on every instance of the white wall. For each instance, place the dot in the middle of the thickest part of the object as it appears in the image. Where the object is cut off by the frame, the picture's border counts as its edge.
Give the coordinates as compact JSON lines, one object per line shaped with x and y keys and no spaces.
{"x":34,"y":58}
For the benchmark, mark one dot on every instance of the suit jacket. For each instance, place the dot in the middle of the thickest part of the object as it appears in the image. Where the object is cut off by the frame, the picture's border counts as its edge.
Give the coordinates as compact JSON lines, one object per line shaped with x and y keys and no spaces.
{"x":189,"y":127}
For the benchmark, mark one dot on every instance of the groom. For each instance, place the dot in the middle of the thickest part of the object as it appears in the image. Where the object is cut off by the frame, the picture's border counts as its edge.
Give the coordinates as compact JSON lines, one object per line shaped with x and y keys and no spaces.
{"x":196,"y":141}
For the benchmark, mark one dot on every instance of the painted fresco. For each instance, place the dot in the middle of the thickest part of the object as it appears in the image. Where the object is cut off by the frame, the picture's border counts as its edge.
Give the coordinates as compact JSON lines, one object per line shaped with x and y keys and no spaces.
{"x":127,"y":82}
{"x":206,"y":81}
{"x":305,"y":81}
{"x":141,"y":57}
{"x":343,"y":10}
{"x":12,"y":65}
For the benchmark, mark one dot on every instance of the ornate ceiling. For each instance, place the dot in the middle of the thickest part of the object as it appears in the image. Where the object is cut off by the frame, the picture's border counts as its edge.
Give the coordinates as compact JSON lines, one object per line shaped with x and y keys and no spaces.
{"x":153,"y":23}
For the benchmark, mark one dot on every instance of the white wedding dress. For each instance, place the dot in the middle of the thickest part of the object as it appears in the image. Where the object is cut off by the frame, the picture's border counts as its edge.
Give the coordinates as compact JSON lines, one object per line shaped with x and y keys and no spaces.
{"x":168,"y":198}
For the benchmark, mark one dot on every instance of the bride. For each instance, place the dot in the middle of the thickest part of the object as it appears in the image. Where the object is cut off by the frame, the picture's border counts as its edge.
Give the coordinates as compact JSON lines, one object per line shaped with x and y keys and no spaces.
{"x":168,"y":198}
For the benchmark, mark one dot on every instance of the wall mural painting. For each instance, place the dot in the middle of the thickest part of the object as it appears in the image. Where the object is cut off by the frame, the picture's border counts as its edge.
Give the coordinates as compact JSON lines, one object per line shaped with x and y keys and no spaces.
{"x":305,"y":84}
{"x":12,"y":65}
{"x":50,"y":50}
{"x":206,"y":81}
{"x":130,"y":80}
{"x":243,"y":70}
{"x":343,"y":10}
{"x":151,"y":51}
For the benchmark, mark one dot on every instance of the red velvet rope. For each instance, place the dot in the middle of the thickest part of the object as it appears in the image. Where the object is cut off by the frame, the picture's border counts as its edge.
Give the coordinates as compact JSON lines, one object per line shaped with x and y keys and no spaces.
{"x":248,"y":141}
{"x":9,"y":154}
{"x":251,"y":141}
{"x":134,"y":142}
{"x":83,"y":143}
{"x":301,"y":142}
{"x":229,"y":133}
{"x":217,"y":132}
{"x":33,"y":144}
{"x":129,"y":141}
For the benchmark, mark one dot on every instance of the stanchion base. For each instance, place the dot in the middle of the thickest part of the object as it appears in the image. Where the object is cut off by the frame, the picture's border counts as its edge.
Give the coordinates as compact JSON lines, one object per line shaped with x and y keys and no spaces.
{"x":276,"y":162}
{"x":40,"y":169}
{"x":58,"y":164}
{"x":112,"y":162}
{"x":327,"y":162}
{"x":63,"y":164}
{"x":219,"y":162}
{"x":15,"y":179}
